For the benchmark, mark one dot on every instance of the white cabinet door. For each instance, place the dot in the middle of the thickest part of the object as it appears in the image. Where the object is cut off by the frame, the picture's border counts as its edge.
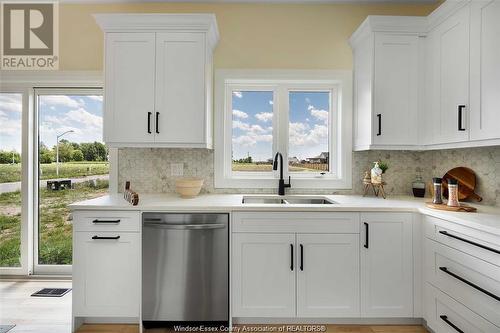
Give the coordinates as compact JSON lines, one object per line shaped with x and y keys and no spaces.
{"x":106,"y":274}
{"x":129,"y":88}
{"x":328,"y":275}
{"x":386,"y":265}
{"x":263,"y":275}
{"x":453,"y":81}
{"x":485,"y":70}
{"x":396,"y":90}
{"x":180,"y":88}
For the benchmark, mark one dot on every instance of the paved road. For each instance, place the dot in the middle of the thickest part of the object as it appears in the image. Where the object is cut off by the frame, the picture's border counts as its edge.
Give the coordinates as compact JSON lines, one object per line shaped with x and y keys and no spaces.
{"x":16,"y":186}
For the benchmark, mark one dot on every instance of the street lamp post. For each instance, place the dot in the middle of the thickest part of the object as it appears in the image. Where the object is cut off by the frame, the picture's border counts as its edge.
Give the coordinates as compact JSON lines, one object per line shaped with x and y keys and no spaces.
{"x":57,"y":149}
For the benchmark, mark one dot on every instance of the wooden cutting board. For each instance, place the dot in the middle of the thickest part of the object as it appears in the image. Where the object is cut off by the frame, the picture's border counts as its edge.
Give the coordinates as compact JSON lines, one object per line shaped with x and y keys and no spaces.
{"x":466,"y":179}
{"x":461,"y":208}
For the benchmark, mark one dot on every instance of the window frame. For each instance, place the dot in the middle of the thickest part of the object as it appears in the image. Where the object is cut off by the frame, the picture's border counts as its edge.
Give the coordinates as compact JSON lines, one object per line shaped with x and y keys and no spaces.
{"x":338,"y":82}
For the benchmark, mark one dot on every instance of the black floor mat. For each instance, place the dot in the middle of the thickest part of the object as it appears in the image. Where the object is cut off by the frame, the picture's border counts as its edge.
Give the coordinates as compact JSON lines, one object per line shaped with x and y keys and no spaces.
{"x":6,"y":328}
{"x":51,"y":292}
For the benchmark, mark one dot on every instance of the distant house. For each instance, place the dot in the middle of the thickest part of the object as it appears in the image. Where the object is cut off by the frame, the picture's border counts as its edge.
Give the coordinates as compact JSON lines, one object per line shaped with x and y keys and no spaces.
{"x":321,"y":159}
{"x":293,"y":160}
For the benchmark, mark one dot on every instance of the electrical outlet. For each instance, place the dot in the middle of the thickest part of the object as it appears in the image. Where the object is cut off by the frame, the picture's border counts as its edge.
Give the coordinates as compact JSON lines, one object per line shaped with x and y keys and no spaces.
{"x":176,"y":169}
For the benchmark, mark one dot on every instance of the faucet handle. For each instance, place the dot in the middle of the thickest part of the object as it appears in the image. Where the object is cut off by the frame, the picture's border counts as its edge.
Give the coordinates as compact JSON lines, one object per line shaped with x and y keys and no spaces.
{"x":289,"y":182}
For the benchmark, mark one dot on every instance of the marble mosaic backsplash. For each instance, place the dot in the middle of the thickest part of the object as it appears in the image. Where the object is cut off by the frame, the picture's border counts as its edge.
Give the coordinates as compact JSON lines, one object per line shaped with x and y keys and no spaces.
{"x":149,"y":169}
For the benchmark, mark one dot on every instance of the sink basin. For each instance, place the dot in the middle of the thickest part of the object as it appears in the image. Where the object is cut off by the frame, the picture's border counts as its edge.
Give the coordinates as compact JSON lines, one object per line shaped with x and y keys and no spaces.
{"x":287,"y":200}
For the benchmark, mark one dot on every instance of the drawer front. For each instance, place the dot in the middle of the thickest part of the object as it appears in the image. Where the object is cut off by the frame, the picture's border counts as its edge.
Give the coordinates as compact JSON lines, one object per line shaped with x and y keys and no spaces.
{"x":477,"y":243}
{"x":301,"y":222}
{"x":469,"y":280}
{"x":446,"y":315}
{"x":106,"y":221}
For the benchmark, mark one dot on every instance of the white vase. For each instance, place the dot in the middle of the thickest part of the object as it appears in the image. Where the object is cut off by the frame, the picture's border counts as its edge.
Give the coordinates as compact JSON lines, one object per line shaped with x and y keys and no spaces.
{"x":376,"y":174}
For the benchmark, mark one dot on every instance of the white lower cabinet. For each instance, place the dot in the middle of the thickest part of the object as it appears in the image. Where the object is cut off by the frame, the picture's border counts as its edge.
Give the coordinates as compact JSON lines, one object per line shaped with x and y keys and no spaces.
{"x":386,"y":265}
{"x":106,"y":264}
{"x":289,"y":275}
{"x":263,"y":268}
{"x":328,"y":275}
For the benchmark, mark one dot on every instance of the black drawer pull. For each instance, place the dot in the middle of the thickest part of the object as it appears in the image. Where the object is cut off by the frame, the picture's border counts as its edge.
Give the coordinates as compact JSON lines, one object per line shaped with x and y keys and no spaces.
{"x":475,"y":286}
{"x":291,"y":257}
{"x":367,"y":230}
{"x":446,"y":320}
{"x":460,"y":116}
{"x":99,"y":237}
{"x":149,"y":122}
{"x":379,"y":116}
{"x":301,"y":257}
{"x":156,"y":123}
{"x":470,"y":242}
{"x":97,"y":221}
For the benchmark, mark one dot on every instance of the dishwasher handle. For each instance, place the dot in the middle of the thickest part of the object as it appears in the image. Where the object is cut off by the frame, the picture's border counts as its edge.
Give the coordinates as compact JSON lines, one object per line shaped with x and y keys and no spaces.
{"x":184,"y":226}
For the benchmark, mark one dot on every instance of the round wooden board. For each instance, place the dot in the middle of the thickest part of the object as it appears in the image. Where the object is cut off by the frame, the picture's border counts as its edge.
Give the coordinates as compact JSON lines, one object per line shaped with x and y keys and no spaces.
{"x":461,"y":208}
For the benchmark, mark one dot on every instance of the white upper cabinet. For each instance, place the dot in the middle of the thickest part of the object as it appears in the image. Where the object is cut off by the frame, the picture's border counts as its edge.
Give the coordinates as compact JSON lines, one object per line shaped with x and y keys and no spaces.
{"x":129,"y":83}
{"x":158,"y":79}
{"x":428,"y":82}
{"x":449,"y":79}
{"x":386,"y":76}
{"x":485,"y":70}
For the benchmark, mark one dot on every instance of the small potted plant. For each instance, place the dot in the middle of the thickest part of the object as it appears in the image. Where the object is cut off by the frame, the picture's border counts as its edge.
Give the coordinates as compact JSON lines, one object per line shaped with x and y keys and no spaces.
{"x":383,"y":166}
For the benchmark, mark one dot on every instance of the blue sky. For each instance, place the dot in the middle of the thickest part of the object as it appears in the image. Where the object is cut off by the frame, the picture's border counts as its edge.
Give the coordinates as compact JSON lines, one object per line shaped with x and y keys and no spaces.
{"x":58,"y":113}
{"x":252,"y":124}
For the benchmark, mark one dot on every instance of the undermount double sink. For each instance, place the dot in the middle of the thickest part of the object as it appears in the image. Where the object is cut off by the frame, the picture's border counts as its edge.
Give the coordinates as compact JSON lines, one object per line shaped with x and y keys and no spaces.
{"x":287,"y":200}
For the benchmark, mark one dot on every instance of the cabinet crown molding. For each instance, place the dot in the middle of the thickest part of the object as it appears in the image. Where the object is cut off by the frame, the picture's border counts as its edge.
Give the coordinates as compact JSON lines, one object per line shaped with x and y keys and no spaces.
{"x":131,"y":22}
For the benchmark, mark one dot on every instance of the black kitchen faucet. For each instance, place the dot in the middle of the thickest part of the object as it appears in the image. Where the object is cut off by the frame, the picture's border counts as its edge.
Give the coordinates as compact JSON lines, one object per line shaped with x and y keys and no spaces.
{"x":281,"y":185}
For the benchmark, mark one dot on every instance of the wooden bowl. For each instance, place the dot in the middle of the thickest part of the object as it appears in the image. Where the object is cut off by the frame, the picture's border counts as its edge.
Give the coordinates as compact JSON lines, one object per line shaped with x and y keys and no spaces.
{"x":188,"y":187}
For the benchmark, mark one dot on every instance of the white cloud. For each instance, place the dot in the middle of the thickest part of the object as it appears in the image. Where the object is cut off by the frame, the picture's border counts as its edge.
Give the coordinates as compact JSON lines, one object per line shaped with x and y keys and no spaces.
{"x":96,"y":97}
{"x":271,"y":102}
{"x":60,"y":100}
{"x":10,"y":102}
{"x":321,"y":115}
{"x":241,"y":125}
{"x":264,"y":116}
{"x":237,"y":94}
{"x":240,"y":114}
{"x":301,"y":134}
{"x":251,"y":140}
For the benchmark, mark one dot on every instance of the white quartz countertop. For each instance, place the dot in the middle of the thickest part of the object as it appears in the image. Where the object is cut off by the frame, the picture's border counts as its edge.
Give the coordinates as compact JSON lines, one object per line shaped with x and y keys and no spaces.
{"x":486,"y":218}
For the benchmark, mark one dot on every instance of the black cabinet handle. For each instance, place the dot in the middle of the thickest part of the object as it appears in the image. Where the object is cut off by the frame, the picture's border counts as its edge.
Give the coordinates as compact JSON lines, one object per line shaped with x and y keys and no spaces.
{"x":446,"y":320}
{"x":99,"y":237}
{"x":156,"y":123}
{"x":301,"y":257}
{"x":367,"y":231}
{"x":149,"y":122}
{"x":291,"y":257}
{"x":460,"y":116}
{"x":379,"y":116}
{"x":473,"y":285}
{"x":470,"y":242}
{"x":96,"y":221}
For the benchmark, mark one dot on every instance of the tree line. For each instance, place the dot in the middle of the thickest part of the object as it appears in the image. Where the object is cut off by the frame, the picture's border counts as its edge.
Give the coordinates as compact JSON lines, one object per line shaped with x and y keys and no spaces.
{"x":68,"y":152}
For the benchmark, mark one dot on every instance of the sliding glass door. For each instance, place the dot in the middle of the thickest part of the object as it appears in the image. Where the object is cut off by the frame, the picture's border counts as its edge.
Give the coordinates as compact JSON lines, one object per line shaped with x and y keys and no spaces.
{"x":10,"y":180}
{"x":72,"y":165}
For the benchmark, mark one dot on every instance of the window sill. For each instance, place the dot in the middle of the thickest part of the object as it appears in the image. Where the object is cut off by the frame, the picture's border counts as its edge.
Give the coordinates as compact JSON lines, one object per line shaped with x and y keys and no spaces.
{"x":302,"y":183}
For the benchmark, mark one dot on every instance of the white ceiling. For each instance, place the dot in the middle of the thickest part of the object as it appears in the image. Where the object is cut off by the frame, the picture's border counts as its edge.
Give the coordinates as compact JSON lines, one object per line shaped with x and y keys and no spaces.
{"x":256,"y":1}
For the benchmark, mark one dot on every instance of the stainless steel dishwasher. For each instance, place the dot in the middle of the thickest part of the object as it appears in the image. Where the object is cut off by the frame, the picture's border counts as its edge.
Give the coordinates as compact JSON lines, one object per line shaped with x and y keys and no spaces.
{"x":185,"y":269}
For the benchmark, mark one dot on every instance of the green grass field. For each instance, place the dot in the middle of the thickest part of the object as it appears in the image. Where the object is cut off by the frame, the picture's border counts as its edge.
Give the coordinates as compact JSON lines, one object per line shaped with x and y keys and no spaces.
{"x":55,"y":224}
{"x":12,"y":172}
{"x":253,"y":167}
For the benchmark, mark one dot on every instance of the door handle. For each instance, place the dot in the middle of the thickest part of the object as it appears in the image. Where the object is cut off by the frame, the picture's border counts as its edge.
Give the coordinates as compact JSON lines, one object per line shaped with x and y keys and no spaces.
{"x":185,"y":226}
{"x":379,"y":116}
{"x":156,"y":123}
{"x":460,"y":116}
{"x":301,"y":257}
{"x":367,"y":231}
{"x":443,"y":232}
{"x":97,"y":221}
{"x":291,"y":257}
{"x":467,"y":282}
{"x":446,"y":320}
{"x":149,"y":122}
{"x":99,"y":237}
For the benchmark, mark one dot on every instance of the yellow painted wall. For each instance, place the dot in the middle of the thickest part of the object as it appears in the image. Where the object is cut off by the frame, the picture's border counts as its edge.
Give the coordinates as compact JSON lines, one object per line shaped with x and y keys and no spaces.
{"x":293,"y":36}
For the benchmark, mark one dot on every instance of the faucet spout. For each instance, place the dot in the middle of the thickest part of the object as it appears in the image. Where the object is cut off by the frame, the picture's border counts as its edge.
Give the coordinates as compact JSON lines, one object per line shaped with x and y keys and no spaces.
{"x":281,"y":183}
